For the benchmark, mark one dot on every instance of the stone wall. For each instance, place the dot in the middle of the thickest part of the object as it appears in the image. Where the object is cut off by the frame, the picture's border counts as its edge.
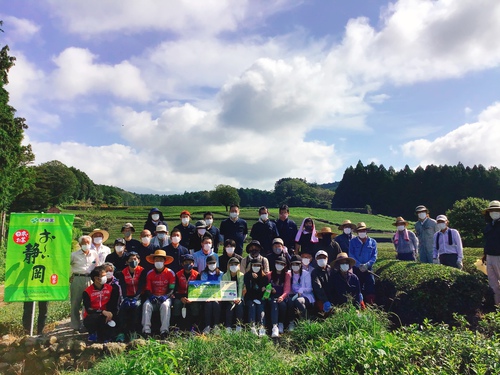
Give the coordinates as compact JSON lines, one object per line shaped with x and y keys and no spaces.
{"x":47,"y":354}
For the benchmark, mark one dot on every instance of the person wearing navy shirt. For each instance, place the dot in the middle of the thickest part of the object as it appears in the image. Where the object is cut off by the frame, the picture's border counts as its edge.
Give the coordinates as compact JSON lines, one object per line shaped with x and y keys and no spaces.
{"x":287,"y":228}
{"x":208,"y":217}
{"x":176,"y":250}
{"x":264,"y":231}
{"x":131,"y":244}
{"x":185,"y":227}
{"x":155,"y":218}
{"x":234,"y":228}
{"x":343,"y":239}
{"x":146,"y":249}
{"x":118,"y":257}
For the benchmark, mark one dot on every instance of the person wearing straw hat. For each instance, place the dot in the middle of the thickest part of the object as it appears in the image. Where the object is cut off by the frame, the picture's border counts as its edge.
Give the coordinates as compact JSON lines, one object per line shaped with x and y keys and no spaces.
{"x":447,"y":249}
{"x":327,"y":242}
{"x":492,"y":247}
{"x":99,"y":236}
{"x":405,"y":242}
{"x":345,"y":237}
{"x":363,"y":250}
{"x":160,"y":283}
{"x":343,"y":283}
{"x":425,"y":227}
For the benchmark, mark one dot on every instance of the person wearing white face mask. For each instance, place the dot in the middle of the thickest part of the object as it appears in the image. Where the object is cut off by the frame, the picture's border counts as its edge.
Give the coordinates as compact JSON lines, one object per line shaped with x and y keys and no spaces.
{"x":345,"y":237}
{"x":146,"y":249}
{"x":155,"y":218}
{"x":301,"y":292}
{"x":197,"y":235}
{"x":405,"y":242}
{"x":200,"y":256}
{"x":208,"y":217}
{"x":363,"y":250}
{"x":99,"y":236}
{"x":448,"y":249}
{"x":234,"y":309}
{"x":176,"y":250}
{"x":131,"y":244}
{"x":319,"y":278}
{"x":425,"y":227}
{"x":492,"y":247}
{"x":280,"y":283}
{"x":83,"y":261}
{"x":255,"y":284}
{"x":343,"y":283}
{"x":234,"y":228}
{"x":161,"y":239}
{"x":186,"y":228}
{"x":118,"y":258}
{"x":228,"y":253}
{"x":160,"y":284}
{"x":101,"y":307}
{"x":279,"y":250}
{"x":211,"y":308}
{"x":264,"y":231}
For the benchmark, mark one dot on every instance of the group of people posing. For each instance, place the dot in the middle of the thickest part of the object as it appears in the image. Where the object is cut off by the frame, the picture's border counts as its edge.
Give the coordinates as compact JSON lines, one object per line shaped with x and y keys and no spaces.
{"x":287,"y":272}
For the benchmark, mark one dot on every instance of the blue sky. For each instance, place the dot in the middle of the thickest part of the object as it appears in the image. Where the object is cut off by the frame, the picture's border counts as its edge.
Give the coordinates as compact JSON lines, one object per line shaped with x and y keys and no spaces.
{"x":173,"y":96}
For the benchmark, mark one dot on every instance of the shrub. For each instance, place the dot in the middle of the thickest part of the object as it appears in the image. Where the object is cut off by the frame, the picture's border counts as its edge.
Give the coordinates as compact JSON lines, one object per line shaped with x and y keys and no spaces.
{"x":466,"y":216}
{"x":415,"y":291}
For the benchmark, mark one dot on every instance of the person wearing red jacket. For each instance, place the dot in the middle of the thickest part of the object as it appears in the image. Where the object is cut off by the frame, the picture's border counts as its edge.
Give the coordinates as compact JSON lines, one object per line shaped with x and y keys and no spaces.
{"x":160,"y":283}
{"x":132,"y":282}
{"x":100,"y":301}
{"x":181,"y":301}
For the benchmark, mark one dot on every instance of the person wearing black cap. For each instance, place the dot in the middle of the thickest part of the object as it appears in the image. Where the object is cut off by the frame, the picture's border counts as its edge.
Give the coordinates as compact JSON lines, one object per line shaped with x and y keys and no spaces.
{"x":196,"y":236}
{"x":184,"y":319}
{"x":254,"y":250}
{"x":228,"y":253}
{"x":211,"y":308}
{"x":280,"y":284}
{"x":279,"y":250}
{"x":118,"y":257}
{"x":132,"y":281}
{"x":255,"y":284}
{"x":234,"y":308}
{"x":301,"y":292}
{"x":155,"y":218}
{"x":131,"y":244}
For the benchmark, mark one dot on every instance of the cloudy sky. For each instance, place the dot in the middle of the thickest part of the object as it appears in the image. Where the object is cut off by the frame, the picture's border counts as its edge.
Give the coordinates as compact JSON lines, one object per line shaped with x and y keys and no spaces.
{"x":172,"y":96}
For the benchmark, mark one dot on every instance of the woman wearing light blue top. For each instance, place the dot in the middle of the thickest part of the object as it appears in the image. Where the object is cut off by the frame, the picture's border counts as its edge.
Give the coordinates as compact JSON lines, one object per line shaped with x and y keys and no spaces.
{"x":212,"y":308}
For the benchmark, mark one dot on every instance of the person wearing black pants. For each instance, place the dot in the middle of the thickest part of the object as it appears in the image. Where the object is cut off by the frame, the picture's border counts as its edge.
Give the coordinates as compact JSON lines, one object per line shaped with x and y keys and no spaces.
{"x":42,"y":316}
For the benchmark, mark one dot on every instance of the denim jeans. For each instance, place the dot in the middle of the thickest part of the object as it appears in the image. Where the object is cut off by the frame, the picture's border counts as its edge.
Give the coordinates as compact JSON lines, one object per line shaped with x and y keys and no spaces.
{"x":255,"y":312}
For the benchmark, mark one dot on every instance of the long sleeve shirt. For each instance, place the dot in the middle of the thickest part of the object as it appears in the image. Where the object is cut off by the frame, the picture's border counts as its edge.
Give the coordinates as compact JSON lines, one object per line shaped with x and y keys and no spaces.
{"x":282,"y":290}
{"x":405,"y":242}
{"x":363,"y":253}
{"x":492,"y":238}
{"x":442,"y":244}
{"x":425,"y":233}
{"x":319,"y":278}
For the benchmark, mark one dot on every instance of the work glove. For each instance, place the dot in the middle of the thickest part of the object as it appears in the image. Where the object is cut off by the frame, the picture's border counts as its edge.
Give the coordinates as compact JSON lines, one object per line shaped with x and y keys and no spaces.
{"x":327,"y":306}
{"x":162,"y":299}
{"x":153,"y":299}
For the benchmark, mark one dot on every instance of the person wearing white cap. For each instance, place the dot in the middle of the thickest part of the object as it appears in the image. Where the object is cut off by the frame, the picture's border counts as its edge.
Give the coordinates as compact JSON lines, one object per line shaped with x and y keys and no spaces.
{"x":161,"y":240}
{"x":319,"y":278}
{"x":447,"y":247}
{"x":492,"y":247}
{"x":425,"y":227}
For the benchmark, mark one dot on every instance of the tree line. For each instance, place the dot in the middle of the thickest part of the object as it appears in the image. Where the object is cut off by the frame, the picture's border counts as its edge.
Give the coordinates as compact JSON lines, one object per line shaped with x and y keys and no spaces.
{"x":392,"y":193}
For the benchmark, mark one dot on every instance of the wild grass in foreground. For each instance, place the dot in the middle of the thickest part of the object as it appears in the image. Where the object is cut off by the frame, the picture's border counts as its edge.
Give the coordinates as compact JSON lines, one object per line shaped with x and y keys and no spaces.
{"x":348,"y":342}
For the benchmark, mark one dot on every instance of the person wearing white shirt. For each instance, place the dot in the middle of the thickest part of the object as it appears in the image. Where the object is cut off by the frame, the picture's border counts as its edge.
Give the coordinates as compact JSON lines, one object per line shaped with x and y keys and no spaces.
{"x":99,"y":237}
{"x":448,"y":247}
{"x":83,"y":261}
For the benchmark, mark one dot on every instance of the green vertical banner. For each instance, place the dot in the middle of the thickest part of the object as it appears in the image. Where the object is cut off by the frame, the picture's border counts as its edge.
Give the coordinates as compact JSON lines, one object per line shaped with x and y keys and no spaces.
{"x":38,"y":257}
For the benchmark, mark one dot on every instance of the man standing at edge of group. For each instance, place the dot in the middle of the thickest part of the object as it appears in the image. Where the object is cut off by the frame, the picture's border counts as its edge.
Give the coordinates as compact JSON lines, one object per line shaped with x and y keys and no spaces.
{"x":287,"y":228}
{"x":492,"y":247}
{"x":425,"y":228}
{"x":264,"y":231}
{"x":186,"y":228}
{"x":234,"y":228}
{"x":447,"y":245}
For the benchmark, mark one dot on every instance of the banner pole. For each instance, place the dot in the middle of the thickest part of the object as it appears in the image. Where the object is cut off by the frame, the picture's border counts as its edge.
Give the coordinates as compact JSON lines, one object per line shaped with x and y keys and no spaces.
{"x":32,"y":318}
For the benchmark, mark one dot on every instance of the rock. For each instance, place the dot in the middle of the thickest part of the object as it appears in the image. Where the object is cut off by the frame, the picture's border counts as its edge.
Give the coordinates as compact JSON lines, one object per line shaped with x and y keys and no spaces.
{"x":3,"y":366}
{"x":52,"y":340}
{"x":14,"y":355}
{"x":7,"y":340}
{"x":65,"y":361}
{"x":114,"y":348}
{"x":54,"y":347}
{"x":49,"y":363}
{"x":78,"y":346}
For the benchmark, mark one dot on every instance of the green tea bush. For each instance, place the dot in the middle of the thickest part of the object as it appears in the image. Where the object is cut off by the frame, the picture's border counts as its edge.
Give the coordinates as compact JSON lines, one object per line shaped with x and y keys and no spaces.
{"x":416,"y":291}
{"x":490,"y":324}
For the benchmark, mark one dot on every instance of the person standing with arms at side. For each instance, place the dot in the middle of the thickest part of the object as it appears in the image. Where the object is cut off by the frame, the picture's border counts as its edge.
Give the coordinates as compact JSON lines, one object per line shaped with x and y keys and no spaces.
{"x":131,"y":244}
{"x":363,"y":250}
{"x":287,"y":229}
{"x":425,"y":228}
{"x":447,"y":245}
{"x":345,"y":237}
{"x":155,"y":218}
{"x":208,"y":217}
{"x":176,"y":250}
{"x":234,"y":228}
{"x":100,"y":236}
{"x":405,"y":242}
{"x":492,"y":247}
{"x":83,"y":261}
{"x":146,"y":249}
{"x":264,"y":231}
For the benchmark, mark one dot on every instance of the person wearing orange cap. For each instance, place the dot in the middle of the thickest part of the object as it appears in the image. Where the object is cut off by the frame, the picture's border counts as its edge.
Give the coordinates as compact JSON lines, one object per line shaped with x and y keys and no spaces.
{"x":160,"y":283}
{"x":186,"y":228}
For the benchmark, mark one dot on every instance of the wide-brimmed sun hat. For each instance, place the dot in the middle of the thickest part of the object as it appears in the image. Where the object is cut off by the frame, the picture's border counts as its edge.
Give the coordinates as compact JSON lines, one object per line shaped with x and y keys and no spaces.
{"x":343,"y":256}
{"x":159,"y":253}
{"x":493,"y":206}
{"x":325,"y":230}
{"x":105,"y":234}
{"x":347,"y":223}
{"x":399,"y":221}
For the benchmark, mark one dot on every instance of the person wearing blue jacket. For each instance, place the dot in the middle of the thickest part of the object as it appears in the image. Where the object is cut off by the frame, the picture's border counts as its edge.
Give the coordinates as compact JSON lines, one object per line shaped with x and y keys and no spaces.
{"x":363,"y":250}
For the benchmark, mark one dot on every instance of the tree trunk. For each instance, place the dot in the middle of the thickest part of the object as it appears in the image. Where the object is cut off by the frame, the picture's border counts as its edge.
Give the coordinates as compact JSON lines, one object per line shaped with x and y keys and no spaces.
{"x":2,"y":227}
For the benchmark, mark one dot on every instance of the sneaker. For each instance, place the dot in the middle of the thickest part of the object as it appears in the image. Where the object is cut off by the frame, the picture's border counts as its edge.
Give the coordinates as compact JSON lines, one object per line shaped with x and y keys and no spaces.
{"x":254,"y":330}
{"x":206,"y":331}
{"x":291,"y":326}
{"x":262,"y":331}
{"x":238,"y":328}
{"x":229,"y":330}
{"x":146,"y":335}
{"x":120,"y":338}
{"x":164,"y":335}
{"x":275,"y":331}
{"x":92,"y":337}
{"x":280,"y":328}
